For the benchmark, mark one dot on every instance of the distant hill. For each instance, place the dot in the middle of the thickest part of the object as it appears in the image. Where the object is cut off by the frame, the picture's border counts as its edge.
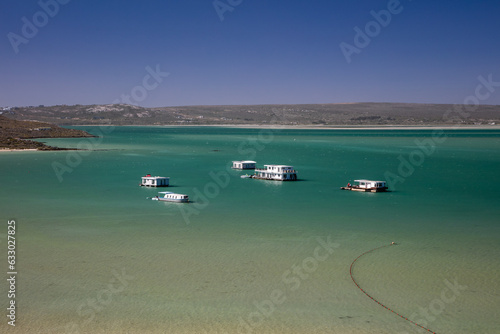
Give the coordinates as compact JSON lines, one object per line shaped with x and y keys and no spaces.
{"x":15,"y":134}
{"x":319,"y":115}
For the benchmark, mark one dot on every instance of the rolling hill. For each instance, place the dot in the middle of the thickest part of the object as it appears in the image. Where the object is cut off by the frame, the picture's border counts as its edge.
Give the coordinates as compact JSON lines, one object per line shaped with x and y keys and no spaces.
{"x":315,"y":115}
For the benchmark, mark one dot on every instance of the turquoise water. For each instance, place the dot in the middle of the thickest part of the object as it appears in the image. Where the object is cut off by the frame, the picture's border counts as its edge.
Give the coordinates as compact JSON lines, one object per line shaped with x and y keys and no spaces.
{"x":244,"y":257}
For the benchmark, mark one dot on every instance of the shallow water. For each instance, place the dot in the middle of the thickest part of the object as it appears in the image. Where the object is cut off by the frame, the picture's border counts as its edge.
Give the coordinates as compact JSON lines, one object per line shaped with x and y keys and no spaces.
{"x":95,"y":256}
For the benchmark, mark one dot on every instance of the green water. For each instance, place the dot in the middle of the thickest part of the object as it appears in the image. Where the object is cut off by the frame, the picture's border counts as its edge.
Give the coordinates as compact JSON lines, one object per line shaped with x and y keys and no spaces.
{"x":95,"y":256}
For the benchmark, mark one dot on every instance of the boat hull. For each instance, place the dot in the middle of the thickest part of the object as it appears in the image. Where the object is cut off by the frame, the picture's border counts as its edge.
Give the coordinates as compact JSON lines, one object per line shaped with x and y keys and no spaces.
{"x":271,"y":179}
{"x":148,"y":185}
{"x":366,"y":190}
{"x":172,"y":200}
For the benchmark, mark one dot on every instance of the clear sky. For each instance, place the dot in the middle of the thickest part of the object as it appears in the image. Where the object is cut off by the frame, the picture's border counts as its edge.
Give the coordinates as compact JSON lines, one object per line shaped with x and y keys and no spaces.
{"x":247,"y":51}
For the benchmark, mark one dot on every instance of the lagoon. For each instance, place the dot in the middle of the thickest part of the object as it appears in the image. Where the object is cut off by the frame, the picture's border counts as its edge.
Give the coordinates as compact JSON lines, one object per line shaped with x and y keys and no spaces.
{"x":249,"y":256}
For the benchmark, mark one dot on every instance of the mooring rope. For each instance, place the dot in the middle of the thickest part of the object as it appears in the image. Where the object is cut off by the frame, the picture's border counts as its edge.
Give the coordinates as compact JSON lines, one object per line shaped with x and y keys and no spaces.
{"x":400,"y":315}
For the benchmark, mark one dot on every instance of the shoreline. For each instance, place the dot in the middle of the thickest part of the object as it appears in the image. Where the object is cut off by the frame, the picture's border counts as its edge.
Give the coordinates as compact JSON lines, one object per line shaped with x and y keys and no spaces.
{"x":56,"y":149}
{"x":18,"y":149}
{"x":363,"y":127}
{"x":316,"y":127}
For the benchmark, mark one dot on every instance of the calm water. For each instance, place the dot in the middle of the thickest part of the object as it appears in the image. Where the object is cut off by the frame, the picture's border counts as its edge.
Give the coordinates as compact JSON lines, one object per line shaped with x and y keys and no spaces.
{"x":249,"y":256}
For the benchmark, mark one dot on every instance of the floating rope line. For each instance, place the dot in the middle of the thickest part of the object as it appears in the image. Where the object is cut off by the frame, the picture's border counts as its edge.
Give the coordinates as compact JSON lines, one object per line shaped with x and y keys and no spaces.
{"x":352,"y":277}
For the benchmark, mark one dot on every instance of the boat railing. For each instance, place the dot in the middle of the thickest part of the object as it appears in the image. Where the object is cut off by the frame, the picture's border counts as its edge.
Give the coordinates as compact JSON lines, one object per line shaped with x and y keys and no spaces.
{"x":274,"y":171}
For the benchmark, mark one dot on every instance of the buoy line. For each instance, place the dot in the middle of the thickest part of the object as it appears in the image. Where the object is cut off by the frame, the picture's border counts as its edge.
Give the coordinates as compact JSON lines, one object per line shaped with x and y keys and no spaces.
{"x":400,"y":315}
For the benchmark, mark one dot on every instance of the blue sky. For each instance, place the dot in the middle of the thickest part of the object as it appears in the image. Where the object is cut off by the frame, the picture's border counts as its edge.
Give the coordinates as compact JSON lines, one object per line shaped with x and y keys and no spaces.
{"x":262,"y":52}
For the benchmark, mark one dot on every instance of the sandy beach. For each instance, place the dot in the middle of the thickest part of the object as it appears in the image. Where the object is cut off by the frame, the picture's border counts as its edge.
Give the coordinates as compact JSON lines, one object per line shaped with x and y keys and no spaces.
{"x":17,"y":150}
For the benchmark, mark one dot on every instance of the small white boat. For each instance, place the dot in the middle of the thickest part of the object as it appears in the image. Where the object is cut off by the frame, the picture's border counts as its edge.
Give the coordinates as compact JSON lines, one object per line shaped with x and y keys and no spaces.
{"x":246,"y":176}
{"x":171,"y":197}
{"x":367,"y":186}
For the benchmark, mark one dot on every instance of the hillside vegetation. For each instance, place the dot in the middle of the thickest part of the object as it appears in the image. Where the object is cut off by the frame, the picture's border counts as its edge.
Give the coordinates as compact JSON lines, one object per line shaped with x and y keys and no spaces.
{"x":318,"y":115}
{"x":15,"y":134}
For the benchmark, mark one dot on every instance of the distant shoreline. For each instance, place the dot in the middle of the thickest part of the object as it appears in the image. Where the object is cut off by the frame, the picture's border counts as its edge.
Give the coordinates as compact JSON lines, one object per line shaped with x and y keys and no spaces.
{"x":18,"y":149}
{"x":313,"y":127}
{"x":56,"y":149}
{"x":351,"y":127}
{"x":293,"y":116}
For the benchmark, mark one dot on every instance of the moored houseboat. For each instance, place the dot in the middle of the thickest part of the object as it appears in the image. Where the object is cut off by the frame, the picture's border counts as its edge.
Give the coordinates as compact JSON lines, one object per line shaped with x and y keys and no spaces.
{"x":171,"y":197}
{"x":155,"y":181}
{"x":245,"y":164}
{"x":367,"y":186}
{"x":276,"y":173}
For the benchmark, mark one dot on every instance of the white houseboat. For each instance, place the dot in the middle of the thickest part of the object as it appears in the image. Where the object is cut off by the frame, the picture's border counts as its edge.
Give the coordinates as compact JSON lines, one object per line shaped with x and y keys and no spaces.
{"x":276,"y":172}
{"x":366,"y":186}
{"x":155,"y":181}
{"x":171,"y":197}
{"x":246,"y":164}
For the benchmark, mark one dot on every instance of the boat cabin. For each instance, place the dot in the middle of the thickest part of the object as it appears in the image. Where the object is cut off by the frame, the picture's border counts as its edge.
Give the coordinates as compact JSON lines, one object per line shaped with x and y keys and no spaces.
{"x":276,"y":172}
{"x":172,"y":197}
{"x":155,"y":181}
{"x":367,"y":186}
{"x":246,"y":164}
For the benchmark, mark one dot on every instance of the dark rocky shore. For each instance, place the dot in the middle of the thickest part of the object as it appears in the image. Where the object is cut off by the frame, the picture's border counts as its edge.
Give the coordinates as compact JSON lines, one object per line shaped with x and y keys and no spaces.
{"x":17,"y":135}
